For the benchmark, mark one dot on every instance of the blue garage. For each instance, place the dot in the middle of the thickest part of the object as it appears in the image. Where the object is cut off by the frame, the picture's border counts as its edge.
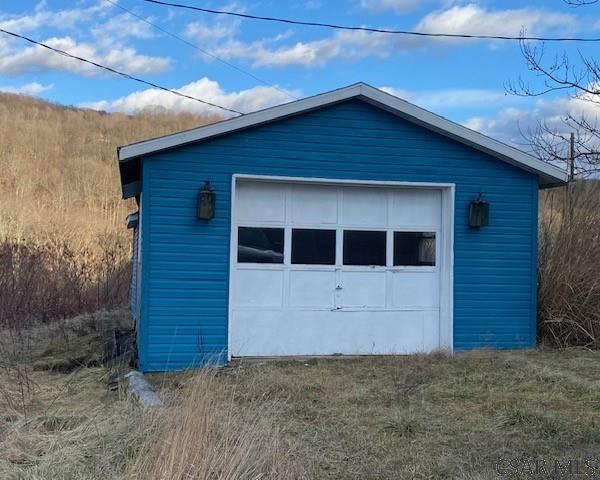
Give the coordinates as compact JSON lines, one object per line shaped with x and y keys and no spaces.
{"x":348,"y":223}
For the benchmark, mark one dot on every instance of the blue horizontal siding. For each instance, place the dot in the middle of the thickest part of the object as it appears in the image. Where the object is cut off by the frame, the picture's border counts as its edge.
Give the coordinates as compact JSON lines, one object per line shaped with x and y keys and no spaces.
{"x":186,"y":261}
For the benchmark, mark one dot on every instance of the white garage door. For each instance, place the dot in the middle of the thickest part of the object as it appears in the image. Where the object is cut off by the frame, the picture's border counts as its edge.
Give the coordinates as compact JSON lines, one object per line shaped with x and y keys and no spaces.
{"x":323,"y":269}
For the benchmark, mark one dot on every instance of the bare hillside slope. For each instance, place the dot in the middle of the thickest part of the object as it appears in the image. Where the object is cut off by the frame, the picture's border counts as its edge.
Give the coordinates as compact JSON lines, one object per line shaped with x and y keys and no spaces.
{"x":59,"y":175}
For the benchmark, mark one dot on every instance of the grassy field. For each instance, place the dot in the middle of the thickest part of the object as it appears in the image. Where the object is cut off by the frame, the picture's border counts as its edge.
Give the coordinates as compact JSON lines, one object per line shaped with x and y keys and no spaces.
{"x":430,"y":416}
{"x":425,"y":416}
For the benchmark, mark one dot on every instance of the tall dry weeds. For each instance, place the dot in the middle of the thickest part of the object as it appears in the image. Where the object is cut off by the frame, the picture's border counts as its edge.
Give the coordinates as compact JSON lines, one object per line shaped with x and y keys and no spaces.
{"x":208,"y":437}
{"x":59,"y":180}
{"x":42,"y":283}
{"x":64,"y":249}
{"x":569,"y":267}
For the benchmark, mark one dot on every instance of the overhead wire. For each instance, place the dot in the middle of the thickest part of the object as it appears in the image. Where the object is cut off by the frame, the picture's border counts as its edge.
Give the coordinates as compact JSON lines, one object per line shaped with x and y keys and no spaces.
{"x":118,"y":72}
{"x":372,"y":29}
{"x":201,"y":50}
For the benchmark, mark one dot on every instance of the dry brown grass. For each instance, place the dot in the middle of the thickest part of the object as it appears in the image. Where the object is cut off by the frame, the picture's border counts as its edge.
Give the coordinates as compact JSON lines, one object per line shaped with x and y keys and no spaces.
{"x":429,"y":416}
{"x":569,"y":267}
{"x":59,"y":425}
{"x":73,"y":429}
{"x":415,"y":417}
{"x":205,"y":436}
{"x":64,"y":248}
{"x":58,"y":420}
{"x":59,"y":177}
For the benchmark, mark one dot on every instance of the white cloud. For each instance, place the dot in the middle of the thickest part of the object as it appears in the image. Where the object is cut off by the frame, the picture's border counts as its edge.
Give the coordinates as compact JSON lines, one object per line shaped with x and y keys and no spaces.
{"x":104,"y":47}
{"x":23,"y":23}
{"x":312,"y":5}
{"x":47,"y":18}
{"x":344,"y":44}
{"x":221,"y":38}
{"x":128,"y":60}
{"x":69,"y":18}
{"x":28,"y":59}
{"x":473,"y":19}
{"x":116,"y":27}
{"x":453,"y":97}
{"x":32,"y":88}
{"x":510,"y":124}
{"x":202,"y":32}
{"x":151,"y":99}
{"x":123,"y":26}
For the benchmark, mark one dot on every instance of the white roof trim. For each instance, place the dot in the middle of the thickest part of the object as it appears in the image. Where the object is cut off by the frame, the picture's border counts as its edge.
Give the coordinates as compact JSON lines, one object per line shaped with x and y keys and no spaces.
{"x":549,"y":174}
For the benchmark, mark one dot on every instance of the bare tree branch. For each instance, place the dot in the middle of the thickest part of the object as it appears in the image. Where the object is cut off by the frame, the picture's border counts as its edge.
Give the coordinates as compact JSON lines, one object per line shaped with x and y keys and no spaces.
{"x":579,"y":78}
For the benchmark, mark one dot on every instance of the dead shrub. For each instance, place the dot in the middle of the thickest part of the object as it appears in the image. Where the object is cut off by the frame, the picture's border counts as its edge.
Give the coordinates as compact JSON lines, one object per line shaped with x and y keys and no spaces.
{"x":569,"y":267}
{"x":44,"y":285}
{"x":40,"y":283}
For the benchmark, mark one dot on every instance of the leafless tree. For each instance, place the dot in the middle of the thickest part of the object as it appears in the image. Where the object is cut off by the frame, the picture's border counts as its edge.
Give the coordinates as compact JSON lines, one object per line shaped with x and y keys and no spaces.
{"x":579,"y":77}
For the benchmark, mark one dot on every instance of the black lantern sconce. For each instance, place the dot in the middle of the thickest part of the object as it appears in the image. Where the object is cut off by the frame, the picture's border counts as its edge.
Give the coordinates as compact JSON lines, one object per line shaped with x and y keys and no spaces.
{"x":479,"y":213}
{"x":206,"y":202}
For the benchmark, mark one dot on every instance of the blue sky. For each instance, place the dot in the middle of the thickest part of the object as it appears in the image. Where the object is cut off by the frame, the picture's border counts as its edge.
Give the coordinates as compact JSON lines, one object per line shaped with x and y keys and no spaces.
{"x":463,"y":80}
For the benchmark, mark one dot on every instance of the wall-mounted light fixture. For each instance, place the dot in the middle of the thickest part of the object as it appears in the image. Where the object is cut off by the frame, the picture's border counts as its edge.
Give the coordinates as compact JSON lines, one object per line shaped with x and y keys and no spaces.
{"x":206,"y":201}
{"x":479,"y":213}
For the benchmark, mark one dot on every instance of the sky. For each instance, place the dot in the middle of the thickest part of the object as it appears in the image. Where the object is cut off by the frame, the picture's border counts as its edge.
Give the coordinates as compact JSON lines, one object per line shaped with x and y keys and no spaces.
{"x":463,"y":80}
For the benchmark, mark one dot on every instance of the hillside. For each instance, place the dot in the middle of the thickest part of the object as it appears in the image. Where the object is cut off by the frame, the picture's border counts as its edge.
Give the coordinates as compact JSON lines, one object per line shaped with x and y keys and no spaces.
{"x":64,"y":248}
{"x":59,"y":177}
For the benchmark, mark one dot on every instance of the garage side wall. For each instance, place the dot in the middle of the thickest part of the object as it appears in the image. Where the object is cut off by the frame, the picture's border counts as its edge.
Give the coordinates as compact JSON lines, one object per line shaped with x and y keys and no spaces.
{"x":133,"y":286}
{"x":186,"y":260}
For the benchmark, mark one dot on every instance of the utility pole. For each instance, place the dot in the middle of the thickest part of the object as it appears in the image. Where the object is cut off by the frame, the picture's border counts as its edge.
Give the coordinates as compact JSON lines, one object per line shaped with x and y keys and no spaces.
{"x":572,"y":158}
{"x":571,"y":174}
{"x":568,"y":213}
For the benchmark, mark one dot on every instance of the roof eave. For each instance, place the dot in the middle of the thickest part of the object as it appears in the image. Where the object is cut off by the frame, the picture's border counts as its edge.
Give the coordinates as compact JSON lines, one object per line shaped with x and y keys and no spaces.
{"x":549,"y":175}
{"x":260,"y":117}
{"x":546,"y":181}
{"x":462,"y":134}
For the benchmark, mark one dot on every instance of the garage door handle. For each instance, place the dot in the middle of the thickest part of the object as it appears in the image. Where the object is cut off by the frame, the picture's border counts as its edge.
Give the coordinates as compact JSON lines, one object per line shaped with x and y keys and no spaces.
{"x":339,"y":287}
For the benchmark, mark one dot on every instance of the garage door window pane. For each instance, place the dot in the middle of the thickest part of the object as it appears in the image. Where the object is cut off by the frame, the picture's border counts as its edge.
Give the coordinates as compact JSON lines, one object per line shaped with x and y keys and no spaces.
{"x":313,"y":247}
{"x":414,"y":248}
{"x":364,"y":248}
{"x":260,"y":245}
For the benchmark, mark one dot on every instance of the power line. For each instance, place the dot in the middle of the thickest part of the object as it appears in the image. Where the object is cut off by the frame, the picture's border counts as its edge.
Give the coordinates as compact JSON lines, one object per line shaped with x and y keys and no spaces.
{"x":117,"y":72}
{"x":373,"y":30}
{"x":193,"y":45}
